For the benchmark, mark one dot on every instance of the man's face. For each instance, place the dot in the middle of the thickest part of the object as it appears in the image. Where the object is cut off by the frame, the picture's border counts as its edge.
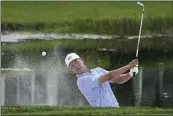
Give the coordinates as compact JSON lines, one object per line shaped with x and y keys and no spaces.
{"x":77,"y":66}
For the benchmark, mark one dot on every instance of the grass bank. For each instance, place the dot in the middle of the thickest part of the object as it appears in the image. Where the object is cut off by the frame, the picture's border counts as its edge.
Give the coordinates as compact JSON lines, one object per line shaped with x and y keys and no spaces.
{"x":121,"y":18}
{"x":57,"y":110}
{"x":58,"y":11}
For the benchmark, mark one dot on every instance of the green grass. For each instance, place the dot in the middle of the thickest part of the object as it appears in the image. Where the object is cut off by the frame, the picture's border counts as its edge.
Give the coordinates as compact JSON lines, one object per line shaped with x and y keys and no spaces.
{"x":59,"y":110}
{"x":58,"y":12}
{"x":121,"y":18}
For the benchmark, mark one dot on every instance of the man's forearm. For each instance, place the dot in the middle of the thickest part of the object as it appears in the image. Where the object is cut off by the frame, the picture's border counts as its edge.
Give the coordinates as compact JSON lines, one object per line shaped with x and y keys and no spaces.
{"x":122,"y":78}
{"x":116,"y":73}
{"x":113,"y":74}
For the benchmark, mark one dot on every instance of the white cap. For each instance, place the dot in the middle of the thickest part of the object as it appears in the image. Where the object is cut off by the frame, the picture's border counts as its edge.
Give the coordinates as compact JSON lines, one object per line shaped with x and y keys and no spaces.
{"x":70,"y":57}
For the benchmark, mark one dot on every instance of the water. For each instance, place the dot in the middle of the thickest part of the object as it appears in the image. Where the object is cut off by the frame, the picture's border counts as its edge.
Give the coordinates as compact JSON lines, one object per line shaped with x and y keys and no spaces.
{"x":45,"y":80}
{"x":16,"y":37}
{"x":151,"y":87}
{"x":39,"y":83}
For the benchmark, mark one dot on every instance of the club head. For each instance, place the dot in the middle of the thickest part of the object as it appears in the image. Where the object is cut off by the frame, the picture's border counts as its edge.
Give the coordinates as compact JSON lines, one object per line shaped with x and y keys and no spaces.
{"x":139,"y":3}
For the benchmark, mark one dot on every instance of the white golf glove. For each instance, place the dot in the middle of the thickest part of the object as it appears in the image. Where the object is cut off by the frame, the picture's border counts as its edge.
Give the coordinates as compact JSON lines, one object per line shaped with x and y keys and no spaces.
{"x":133,"y":70}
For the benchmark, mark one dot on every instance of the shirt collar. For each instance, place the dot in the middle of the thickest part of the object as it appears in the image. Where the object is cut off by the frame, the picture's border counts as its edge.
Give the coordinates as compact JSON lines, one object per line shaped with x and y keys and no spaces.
{"x":85,"y":73}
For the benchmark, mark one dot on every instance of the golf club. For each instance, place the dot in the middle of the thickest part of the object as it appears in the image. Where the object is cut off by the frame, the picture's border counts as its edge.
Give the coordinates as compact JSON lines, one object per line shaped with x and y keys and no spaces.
{"x":137,"y":50}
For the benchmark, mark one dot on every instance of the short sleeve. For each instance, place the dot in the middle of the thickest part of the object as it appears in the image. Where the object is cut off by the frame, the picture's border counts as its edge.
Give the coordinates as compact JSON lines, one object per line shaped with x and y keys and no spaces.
{"x":105,"y":72}
{"x":87,"y":82}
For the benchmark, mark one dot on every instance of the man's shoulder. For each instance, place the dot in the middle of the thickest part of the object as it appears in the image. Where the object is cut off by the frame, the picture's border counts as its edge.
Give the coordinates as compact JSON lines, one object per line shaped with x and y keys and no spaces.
{"x":89,"y":73}
{"x":100,"y":69}
{"x":83,"y":79}
{"x":83,"y":76}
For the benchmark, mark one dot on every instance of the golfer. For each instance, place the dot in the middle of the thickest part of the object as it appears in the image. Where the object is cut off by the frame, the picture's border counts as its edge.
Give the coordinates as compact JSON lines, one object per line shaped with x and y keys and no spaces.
{"x":94,"y":83}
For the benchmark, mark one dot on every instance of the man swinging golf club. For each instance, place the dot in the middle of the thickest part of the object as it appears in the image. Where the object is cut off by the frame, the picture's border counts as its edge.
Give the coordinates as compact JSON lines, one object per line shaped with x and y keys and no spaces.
{"x":94,"y":83}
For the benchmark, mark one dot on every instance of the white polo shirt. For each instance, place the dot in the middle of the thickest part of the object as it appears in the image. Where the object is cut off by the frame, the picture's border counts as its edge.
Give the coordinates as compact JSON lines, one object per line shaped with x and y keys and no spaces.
{"x":96,"y":94}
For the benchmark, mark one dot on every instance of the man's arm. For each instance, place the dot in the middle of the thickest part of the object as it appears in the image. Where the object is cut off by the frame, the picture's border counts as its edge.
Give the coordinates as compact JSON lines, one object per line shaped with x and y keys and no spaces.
{"x":113,"y":75}
{"x":122,"y":78}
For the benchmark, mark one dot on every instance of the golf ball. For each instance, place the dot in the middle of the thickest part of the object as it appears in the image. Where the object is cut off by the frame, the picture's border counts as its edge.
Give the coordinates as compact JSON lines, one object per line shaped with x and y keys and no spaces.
{"x":43,"y":53}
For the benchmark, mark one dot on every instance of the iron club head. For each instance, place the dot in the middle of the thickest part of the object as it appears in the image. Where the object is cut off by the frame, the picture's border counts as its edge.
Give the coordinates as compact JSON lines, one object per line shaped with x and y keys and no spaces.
{"x":139,"y":3}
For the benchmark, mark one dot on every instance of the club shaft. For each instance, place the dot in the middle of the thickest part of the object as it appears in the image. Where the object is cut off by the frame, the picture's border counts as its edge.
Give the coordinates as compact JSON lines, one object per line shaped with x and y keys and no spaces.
{"x":139,"y":37}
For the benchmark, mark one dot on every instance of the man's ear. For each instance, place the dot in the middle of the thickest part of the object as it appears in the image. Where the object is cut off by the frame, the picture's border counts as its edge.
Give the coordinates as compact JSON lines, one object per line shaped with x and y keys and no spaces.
{"x":82,"y":59}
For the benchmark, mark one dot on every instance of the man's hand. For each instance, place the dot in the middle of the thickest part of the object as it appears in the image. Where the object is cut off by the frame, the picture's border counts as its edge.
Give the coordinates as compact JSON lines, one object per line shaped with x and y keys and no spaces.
{"x":133,"y":63}
{"x":114,"y":74}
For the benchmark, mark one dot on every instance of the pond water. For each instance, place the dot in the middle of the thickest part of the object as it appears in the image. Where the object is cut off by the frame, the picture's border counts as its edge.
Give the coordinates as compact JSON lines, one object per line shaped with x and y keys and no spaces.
{"x":30,"y":80}
{"x":151,"y":87}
